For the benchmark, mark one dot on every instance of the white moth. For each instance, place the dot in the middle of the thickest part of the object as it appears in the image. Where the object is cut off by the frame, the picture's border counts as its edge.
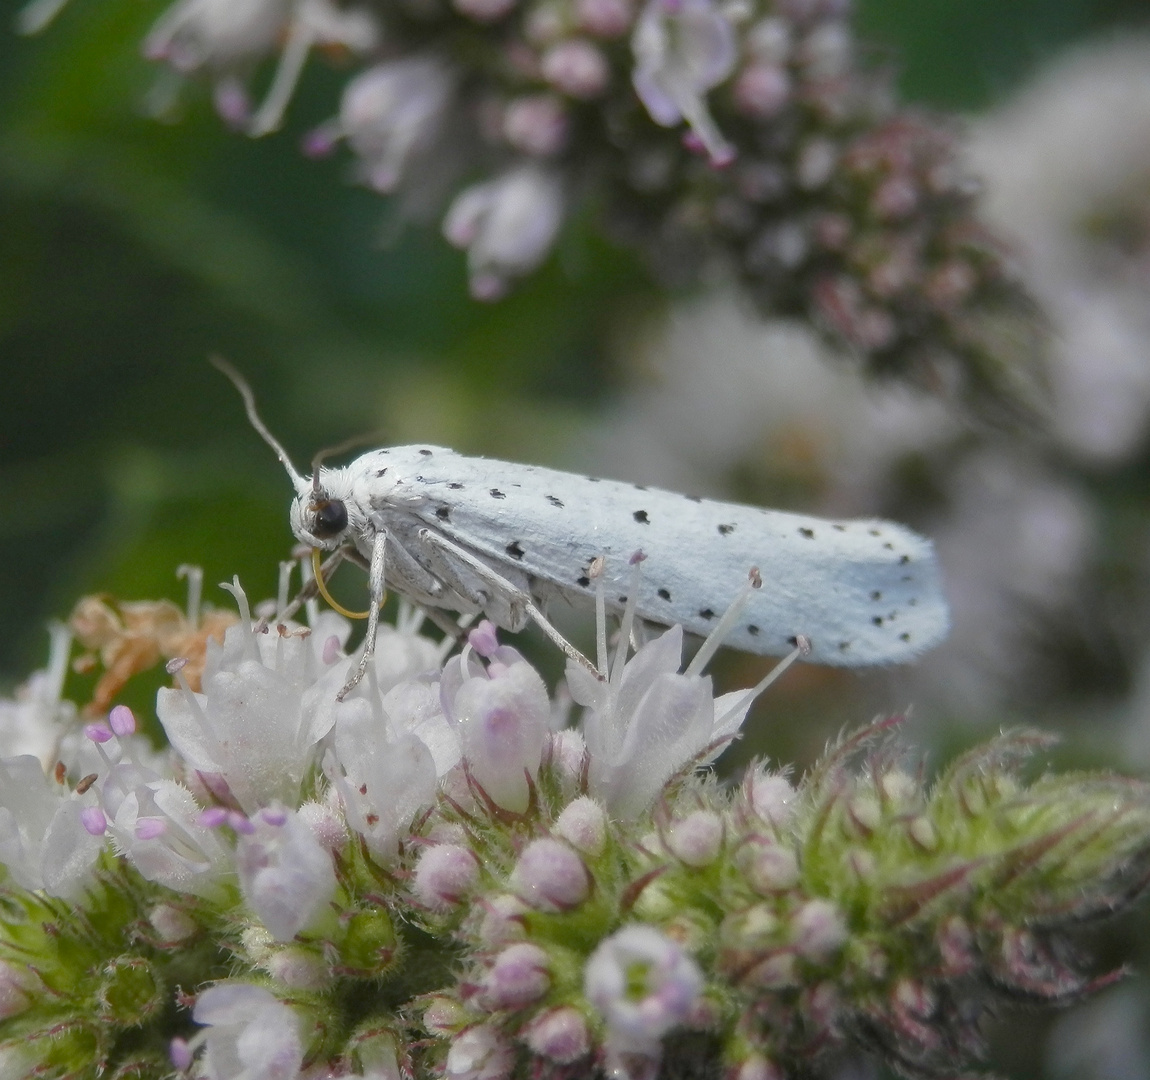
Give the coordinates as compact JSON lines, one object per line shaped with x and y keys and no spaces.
{"x":476,"y":535}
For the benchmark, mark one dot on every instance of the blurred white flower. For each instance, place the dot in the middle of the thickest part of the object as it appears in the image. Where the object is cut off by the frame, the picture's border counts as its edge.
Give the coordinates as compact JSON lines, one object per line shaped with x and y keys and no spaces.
{"x":390,"y":114}
{"x":644,"y":985}
{"x":1067,"y":171}
{"x":250,"y":1034}
{"x":37,"y":719}
{"x":44,"y":842}
{"x":507,"y":226}
{"x":286,"y":874}
{"x":683,"y":49}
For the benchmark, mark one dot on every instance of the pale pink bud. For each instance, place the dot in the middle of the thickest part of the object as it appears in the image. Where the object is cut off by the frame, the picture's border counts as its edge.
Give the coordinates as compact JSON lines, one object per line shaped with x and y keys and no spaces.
{"x":502,"y":920}
{"x":480,"y":1053}
{"x":583,"y":824}
{"x":762,"y":91}
{"x":298,"y":968}
{"x":550,"y":876}
{"x":171,"y":923}
{"x":815,"y":164}
{"x":773,"y":798}
{"x":769,"y":867}
{"x":517,"y":977}
{"x":536,"y":125}
{"x":325,"y":825}
{"x":445,"y":1017}
{"x":697,"y":838}
{"x":605,"y":18}
{"x":757,"y":1067}
{"x":576,"y":67}
{"x":560,"y":1035}
{"x":818,"y":929}
{"x":444,"y":875}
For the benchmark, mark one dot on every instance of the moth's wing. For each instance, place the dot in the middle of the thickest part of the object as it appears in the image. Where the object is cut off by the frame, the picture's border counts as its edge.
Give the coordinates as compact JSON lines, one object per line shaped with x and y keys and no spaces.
{"x":864,"y":592}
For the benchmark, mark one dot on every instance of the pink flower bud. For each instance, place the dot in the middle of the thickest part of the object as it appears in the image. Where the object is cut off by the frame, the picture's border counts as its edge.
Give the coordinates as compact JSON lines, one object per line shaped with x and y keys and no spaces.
{"x":696,"y":839}
{"x":772,"y":797}
{"x":536,"y":125}
{"x":560,"y":1035}
{"x":480,"y":1053}
{"x":583,"y":824}
{"x":550,"y":876}
{"x":577,"y":68}
{"x":818,"y":929}
{"x":769,"y":867}
{"x":444,"y":875}
{"x":171,"y":923}
{"x":605,"y":18}
{"x":517,"y":977}
{"x":762,"y":91}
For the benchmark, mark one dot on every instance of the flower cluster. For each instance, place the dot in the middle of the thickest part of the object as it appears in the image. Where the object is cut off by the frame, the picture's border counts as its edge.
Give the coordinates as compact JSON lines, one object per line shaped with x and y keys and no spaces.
{"x":748,"y":132}
{"x":436,"y":877}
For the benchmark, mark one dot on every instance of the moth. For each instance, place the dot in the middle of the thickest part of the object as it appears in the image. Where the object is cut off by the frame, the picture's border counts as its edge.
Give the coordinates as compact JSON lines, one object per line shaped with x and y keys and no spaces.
{"x":475,"y":535}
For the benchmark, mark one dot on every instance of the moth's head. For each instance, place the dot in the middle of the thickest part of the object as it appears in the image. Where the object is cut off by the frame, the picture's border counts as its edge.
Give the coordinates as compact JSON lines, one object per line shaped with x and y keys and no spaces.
{"x":319,"y":512}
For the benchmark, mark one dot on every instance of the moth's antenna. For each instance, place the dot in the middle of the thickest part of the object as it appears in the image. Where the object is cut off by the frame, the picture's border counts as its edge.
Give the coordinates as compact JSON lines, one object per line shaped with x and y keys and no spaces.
{"x":241,"y":384}
{"x":370,"y":439}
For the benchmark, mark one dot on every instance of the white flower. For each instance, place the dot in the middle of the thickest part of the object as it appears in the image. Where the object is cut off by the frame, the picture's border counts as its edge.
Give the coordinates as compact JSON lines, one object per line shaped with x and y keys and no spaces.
{"x":503,"y":713}
{"x":43,"y":839}
{"x":383,"y":779}
{"x":156,"y":824}
{"x":267,"y":700}
{"x":645,"y":724}
{"x":229,"y":35}
{"x":683,"y":48}
{"x":480,"y":1053}
{"x":286,"y":874}
{"x":643,"y":984}
{"x":389,"y":114}
{"x":37,"y":719}
{"x":507,"y":226}
{"x":250,"y":1035}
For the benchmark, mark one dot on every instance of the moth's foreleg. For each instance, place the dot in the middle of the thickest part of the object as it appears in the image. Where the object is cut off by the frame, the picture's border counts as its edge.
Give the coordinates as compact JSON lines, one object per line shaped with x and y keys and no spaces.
{"x":310,"y":589}
{"x":375,"y":581}
{"x":448,"y":556}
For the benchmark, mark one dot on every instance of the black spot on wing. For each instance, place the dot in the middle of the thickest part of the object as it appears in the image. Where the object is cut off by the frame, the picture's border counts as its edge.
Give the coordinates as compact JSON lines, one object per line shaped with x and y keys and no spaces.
{"x":753,"y":630}
{"x":456,"y":486}
{"x":497,"y":494}
{"x":726,"y":530}
{"x":641,"y":517}
{"x":904,"y":637}
{"x":706,"y":613}
{"x":425,"y":453}
{"x":808,"y":533}
{"x":443,"y":513}
{"x":664,"y":594}
{"x":903,"y":560}
{"x":693,"y":498}
{"x":514,"y":550}
{"x":554,"y":501}
{"x":877,"y":620}
{"x":639,"y":487}
{"x":380,"y":472}
{"x":839,"y":528}
{"x":876,"y":595}
{"x":583,"y":581}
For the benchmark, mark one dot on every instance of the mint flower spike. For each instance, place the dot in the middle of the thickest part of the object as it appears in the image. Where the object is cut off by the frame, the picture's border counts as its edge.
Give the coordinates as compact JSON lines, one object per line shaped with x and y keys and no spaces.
{"x":683,"y":48}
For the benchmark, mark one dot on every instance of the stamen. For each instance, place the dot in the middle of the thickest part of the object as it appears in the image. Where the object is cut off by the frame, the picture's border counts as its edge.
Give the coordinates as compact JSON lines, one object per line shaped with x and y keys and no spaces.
{"x":724,"y":626}
{"x":245,"y":614}
{"x":59,"y":648}
{"x":802,"y":648}
{"x":301,"y":37}
{"x":636,"y":561}
{"x":595,"y":573}
{"x":195,"y":579}
{"x":307,"y":576}
{"x":175,"y":667}
{"x":284,"y":589}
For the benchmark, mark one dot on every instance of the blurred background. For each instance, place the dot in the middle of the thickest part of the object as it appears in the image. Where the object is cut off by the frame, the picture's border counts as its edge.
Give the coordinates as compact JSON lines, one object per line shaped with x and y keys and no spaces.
{"x":131,"y":249}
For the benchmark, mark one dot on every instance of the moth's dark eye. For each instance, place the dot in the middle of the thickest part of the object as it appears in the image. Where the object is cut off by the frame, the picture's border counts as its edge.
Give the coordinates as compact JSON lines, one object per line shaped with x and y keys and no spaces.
{"x":330,"y":519}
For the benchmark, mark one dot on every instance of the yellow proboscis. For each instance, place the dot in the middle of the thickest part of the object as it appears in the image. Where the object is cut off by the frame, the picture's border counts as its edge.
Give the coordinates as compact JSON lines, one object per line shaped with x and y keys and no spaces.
{"x":317,"y":569}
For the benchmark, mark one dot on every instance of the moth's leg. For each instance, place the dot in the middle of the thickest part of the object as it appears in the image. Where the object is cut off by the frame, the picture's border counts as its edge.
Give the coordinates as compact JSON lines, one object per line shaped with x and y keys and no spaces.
{"x":310,"y":589}
{"x":446,"y":554}
{"x":375,"y":589}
